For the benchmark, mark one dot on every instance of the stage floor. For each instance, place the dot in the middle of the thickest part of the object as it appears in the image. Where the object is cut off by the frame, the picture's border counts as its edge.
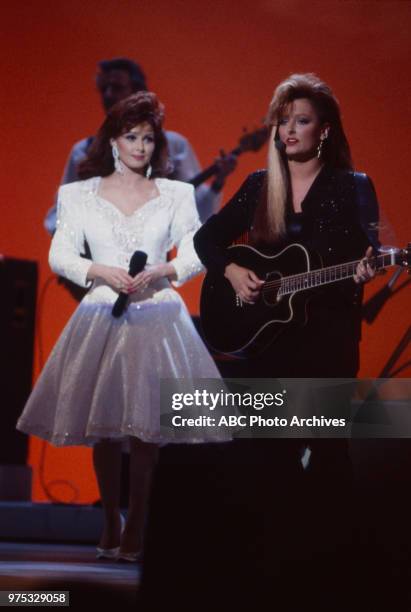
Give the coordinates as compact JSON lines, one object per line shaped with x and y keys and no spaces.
{"x":73,"y":568}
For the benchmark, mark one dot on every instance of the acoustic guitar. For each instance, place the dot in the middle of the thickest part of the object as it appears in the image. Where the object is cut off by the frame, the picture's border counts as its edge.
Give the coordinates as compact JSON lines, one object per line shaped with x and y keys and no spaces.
{"x":235,"y":327}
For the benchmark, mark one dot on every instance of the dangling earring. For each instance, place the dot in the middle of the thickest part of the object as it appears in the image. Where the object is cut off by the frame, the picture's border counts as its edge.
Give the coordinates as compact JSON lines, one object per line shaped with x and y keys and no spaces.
{"x":320,"y":148}
{"x":320,"y":145}
{"x":118,"y":166}
{"x":149,"y":171}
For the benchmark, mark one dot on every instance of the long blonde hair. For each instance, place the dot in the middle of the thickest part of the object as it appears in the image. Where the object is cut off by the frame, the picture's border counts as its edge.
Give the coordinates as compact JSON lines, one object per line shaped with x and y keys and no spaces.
{"x":269,"y":222}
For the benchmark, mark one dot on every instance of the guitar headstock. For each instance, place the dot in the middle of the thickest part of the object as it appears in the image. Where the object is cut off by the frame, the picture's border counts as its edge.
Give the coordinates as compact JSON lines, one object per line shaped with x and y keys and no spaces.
{"x":403,"y":257}
{"x":253,"y":141}
{"x":406,"y":257}
{"x":399,"y":257}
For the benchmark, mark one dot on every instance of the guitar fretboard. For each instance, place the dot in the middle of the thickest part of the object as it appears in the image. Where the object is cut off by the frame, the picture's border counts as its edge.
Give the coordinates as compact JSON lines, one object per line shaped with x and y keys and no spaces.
{"x":330,"y":274}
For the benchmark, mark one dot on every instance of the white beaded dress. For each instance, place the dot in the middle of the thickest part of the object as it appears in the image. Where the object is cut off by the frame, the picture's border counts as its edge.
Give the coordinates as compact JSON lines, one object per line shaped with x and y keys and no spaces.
{"x":102,"y":379}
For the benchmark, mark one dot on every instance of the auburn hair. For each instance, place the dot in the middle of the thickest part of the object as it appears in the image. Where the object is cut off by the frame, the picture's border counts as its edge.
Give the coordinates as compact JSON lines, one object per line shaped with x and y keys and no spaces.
{"x":140,"y":107}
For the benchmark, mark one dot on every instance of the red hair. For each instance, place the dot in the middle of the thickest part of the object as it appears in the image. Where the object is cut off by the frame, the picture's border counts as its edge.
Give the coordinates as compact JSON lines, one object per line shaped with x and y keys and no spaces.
{"x":138,"y":108}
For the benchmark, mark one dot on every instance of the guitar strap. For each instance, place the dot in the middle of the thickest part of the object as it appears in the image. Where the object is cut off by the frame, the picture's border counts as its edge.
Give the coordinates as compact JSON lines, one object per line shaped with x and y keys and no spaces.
{"x":367,"y":207}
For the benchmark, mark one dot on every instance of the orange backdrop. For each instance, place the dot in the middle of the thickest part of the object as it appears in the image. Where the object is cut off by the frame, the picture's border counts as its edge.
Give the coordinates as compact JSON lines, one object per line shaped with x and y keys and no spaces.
{"x":214,"y":65}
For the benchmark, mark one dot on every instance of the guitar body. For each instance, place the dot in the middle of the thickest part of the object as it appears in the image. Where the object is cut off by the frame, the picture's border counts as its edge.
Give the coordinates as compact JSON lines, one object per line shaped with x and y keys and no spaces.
{"x":241,"y":329}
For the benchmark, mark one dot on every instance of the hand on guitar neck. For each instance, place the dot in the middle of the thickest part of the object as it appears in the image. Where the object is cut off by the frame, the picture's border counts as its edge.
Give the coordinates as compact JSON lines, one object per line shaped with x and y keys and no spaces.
{"x":364,"y":272}
{"x":225,"y":165}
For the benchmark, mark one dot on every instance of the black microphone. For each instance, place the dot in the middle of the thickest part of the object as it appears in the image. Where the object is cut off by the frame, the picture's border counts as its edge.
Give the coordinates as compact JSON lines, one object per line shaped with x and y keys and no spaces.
{"x":137,"y":262}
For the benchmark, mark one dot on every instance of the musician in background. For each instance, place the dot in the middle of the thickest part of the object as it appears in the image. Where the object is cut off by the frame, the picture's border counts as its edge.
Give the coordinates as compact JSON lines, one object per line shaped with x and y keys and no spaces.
{"x":117,"y":79}
{"x":309,"y":194}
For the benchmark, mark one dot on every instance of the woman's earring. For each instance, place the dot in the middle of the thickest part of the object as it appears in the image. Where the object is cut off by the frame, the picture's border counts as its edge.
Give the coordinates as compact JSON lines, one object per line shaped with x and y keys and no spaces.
{"x":118,"y":166}
{"x":149,"y":171}
{"x":320,"y":147}
{"x":321,"y":143}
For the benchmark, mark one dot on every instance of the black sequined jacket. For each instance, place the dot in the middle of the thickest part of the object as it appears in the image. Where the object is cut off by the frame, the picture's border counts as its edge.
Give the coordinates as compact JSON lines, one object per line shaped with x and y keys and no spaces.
{"x":339,"y":220}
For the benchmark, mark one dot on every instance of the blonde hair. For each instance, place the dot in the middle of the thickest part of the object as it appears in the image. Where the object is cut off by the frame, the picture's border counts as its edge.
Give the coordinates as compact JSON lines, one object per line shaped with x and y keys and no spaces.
{"x":277,"y":190}
{"x":270,"y":217}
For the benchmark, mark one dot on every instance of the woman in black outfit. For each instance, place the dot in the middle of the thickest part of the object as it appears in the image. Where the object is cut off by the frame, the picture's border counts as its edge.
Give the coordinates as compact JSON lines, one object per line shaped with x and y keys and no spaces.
{"x":244,"y":515}
{"x":310,"y":195}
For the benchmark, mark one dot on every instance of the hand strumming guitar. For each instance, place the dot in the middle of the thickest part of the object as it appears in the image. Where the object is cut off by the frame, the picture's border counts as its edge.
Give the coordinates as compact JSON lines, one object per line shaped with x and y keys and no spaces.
{"x":245,"y":282}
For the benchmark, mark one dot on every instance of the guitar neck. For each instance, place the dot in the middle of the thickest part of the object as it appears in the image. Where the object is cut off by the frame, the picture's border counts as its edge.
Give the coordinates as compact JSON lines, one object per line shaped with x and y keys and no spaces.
{"x":208,"y":172}
{"x":331,"y":274}
{"x":248,"y":142}
{"x":199,"y":178}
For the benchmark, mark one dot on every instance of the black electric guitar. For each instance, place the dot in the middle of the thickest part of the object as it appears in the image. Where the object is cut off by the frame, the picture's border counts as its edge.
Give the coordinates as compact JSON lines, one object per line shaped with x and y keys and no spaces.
{"x":238,"y":328}
{"x":250,"y":141}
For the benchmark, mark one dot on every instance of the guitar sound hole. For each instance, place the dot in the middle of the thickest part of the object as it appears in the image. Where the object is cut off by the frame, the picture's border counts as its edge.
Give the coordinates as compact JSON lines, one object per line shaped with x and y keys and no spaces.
{"x":271,"y":288}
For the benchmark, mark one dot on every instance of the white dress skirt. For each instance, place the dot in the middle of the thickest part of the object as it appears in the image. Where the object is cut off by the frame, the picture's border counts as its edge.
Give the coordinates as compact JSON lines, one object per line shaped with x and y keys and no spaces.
{"x":102,"y":379}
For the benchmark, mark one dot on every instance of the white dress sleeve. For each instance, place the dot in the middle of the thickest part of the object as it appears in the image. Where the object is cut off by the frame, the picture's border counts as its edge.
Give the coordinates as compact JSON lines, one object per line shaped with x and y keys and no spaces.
{"x":184,"y":224}
{"x":68,"y":240}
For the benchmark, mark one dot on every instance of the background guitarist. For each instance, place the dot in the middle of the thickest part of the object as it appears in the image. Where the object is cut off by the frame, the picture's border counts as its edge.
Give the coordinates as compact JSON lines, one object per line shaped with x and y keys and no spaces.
{"x":310,"y":195}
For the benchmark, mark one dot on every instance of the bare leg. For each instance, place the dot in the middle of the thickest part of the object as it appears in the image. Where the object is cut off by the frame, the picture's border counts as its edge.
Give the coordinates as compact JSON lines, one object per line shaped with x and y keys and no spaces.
{"x":143,"y":456}
{"x":107,"y":465}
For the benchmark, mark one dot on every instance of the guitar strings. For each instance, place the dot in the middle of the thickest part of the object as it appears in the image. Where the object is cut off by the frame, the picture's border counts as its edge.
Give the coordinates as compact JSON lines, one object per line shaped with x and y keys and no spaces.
{"x":349,"y":267}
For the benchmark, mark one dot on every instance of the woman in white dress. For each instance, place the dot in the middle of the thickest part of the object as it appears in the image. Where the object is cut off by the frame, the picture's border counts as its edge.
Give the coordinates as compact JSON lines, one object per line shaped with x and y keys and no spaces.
{"x":100,"y":385}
